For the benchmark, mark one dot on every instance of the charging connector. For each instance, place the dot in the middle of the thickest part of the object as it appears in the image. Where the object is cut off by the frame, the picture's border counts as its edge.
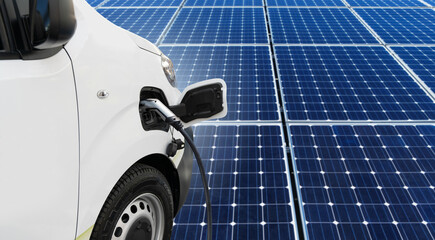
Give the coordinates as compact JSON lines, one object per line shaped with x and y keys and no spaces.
{"x":169,"y":117}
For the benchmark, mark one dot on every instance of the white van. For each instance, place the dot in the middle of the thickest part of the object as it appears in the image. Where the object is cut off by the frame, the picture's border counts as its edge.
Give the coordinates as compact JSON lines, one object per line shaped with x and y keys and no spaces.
{"x":79,"y":157}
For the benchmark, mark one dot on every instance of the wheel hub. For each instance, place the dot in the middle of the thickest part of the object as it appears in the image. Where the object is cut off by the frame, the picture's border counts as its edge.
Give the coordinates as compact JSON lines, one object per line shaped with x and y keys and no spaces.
{"x":142,"y":219}
{"x":140,"y":230}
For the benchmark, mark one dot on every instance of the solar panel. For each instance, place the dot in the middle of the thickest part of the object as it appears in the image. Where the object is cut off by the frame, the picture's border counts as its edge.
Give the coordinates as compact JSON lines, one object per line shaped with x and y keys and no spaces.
{"x":348,"y":83}
{"x":361,"y":182}
{"x":430,"y":2}
{"x":142,"y":3}
{"x":421,"y":60}
{"x":304,"y":3}
{"x":247,"y":70}
{"x":94,"y":3}
{"x":386,"y":3}
{"x":218,"y":25}
{"x":224,"y":3}
{"x":401,"y":26}
{"x":148,"y":23}
{"x":317,"y":25}
{"x":248,"y":181}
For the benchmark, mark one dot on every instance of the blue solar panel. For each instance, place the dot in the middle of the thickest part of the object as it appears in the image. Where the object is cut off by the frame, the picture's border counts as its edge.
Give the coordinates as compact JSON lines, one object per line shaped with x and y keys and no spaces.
{"x":305,"y":3}
{"x":317,"y":25}
{"x":218,"y":25}
{"x":148,"y":23}
{"x":421,"y":60}
{"x":94,"y":3}
{"x":224,"y":3}
{"x":401,"y":26}
{"x":386,"y":3}
{"x":142,"y":3}
{"x":430,"y":2}
{"x":248,"y":181}
{"x":366,"y":182}
{"x":348,"y":83}
{"x":247,"y":71}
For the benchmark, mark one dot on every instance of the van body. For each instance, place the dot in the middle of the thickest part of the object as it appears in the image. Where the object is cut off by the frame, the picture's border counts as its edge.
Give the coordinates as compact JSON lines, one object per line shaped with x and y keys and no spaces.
{"x":71,"y":126}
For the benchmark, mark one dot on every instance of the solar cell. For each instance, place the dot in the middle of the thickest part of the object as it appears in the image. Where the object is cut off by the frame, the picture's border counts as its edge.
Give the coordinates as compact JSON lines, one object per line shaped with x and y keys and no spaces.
{"x":361,"y":182}
{"x":247,"y":70}
{"x":317,"y":25}
{"x":248,"y":180}
{"x":401,"y":26}
{"x":348,"y":83}
{"x":218,"y":25}
{"x":142,"y":3}
{"x":148,"y":23}
{"x":224,"y":3}
{"x":421,"y":60}
{"x":386,"y":3}
{"x":304,"y":3}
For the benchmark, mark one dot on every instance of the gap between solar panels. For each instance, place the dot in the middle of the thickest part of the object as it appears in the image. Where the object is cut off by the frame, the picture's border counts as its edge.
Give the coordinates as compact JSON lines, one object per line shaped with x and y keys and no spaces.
{"x":170,"y":23}
{"x":294,"y":182}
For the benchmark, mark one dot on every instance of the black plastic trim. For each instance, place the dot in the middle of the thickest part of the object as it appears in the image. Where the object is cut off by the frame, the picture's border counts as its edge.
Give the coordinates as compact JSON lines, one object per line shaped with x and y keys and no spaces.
{"x":3,"y":33}
{"x":19,"y":46}
{"x":185,"y":171}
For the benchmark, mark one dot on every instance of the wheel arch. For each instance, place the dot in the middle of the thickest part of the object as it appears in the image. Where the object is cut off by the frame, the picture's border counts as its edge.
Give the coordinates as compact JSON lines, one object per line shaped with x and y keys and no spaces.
{"x":167,"y":168}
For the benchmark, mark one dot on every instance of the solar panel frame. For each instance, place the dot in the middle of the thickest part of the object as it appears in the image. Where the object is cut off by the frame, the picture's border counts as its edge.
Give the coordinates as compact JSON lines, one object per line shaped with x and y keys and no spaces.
{"x":221,"y":3}
{"x":234,"y":199}
{"x":202,"y":26}
{"x":421,"y":60}
{"x":430,"y":2}
{"x":329,"y":3}
{"x":94,"y":3}
{"x":142,"y":3}
{"x":139,"y":20}
{"x":319,"y":26}
{"x":385,"y":3}
{"x":401,"y":25}
{"x":376,"y":92}
{"x":362,"y":207}
{"x":252,"y":97}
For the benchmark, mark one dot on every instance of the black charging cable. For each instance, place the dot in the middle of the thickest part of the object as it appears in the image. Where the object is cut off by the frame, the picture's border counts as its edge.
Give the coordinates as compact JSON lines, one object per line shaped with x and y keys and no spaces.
{"x":170,"y":118}
{"x":174,"y":122}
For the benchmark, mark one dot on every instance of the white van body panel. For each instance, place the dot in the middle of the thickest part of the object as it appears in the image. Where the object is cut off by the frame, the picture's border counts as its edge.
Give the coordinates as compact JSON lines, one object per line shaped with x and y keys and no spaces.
{"x":106,"y":57}
{"x":39,"y":147}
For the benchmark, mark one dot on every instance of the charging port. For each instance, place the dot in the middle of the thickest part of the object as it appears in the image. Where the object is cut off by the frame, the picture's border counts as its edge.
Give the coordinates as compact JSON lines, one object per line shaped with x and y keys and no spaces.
{"x":150,"y":119}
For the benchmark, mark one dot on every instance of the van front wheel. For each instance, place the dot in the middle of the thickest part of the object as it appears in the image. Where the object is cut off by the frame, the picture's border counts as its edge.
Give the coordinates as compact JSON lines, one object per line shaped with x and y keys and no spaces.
{"x":140,"y":206}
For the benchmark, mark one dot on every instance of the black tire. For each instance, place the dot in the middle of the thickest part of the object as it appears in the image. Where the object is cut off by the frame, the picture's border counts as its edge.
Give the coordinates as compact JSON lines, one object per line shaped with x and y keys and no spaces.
{"x":140,"y":179}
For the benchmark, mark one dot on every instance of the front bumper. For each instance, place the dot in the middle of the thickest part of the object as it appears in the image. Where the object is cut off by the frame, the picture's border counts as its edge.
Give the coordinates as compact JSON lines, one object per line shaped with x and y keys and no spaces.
{"x":185,"y":171}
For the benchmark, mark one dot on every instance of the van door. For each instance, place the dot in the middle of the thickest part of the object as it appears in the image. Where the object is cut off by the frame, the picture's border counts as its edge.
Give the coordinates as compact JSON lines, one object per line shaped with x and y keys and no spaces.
{"x":39,"y":149}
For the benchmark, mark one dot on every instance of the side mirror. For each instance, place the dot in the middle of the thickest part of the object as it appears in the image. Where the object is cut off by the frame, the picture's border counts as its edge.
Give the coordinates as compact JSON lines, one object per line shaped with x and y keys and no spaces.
{"x":202,"y":101}
{"x":52,"y":23}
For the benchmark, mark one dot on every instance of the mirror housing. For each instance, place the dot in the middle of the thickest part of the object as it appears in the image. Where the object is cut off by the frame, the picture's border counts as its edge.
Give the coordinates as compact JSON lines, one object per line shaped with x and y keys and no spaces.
{"x":52,"y":23}
{"x":202,"y":101}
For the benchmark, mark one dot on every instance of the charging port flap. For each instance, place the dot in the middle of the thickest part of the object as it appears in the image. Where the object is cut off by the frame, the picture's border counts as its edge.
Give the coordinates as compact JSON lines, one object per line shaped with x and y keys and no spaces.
{"x":202,"y":101}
